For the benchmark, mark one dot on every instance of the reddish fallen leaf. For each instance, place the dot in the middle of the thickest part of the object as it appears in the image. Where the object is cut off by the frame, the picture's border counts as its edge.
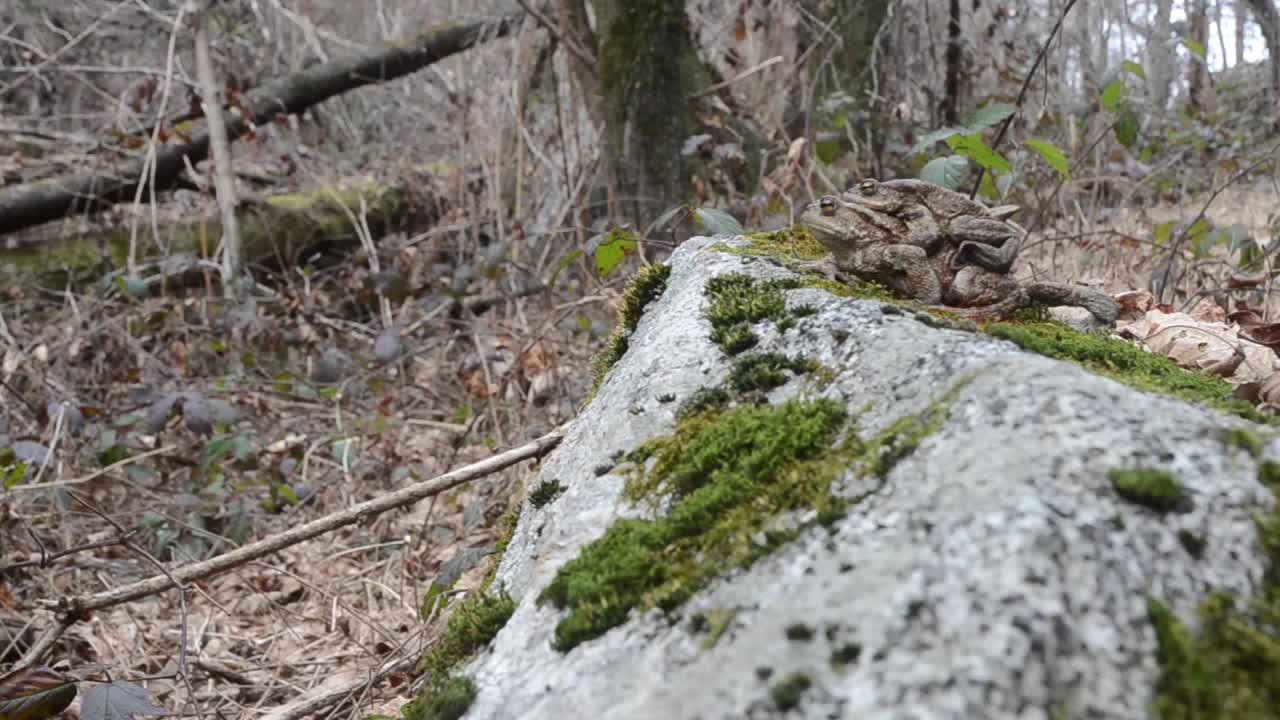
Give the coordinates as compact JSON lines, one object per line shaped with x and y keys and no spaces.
{"x":34,"y":694}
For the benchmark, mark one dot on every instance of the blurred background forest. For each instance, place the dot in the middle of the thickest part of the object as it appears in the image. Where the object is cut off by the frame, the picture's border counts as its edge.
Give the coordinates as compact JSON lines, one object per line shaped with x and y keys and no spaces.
{"x":436,"y":207}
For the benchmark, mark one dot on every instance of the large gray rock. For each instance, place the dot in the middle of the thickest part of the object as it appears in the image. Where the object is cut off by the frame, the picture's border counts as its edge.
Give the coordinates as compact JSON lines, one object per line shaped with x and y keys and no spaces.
{"x":995,"y":574}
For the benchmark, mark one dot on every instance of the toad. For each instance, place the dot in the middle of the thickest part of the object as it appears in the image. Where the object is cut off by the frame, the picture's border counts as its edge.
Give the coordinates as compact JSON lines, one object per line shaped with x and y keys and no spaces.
{"x":935,"y":216}
{"x":873,"y":246}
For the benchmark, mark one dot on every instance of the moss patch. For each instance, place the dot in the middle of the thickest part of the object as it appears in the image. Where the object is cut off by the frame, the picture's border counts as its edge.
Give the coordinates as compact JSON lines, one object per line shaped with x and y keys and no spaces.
{"x":1157,"y":489}
{"x":1127,"y":363}
{"x":799,"y":632}
{"x":703,"y":400}
{"x":762,"y":372}
{"x":546,"y":492}
{"x":723,"y":477}
{"x":786,"y":693}
{"x":1244,"y":439}
{"x":475,"y":622}
{"x":726,"y":474}
{"x":715,"y":624}
{"x":506,"y":531}
{"x":448,"y":699}
{"x":646,"y":286}
{"x":737,"y":301}
{"x":1230,"y":668}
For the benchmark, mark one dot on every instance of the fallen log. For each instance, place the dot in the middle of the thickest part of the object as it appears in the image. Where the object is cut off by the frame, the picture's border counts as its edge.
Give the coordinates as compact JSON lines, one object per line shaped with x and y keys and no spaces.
{"x":29,"y":205}
{"x":278,"y":231}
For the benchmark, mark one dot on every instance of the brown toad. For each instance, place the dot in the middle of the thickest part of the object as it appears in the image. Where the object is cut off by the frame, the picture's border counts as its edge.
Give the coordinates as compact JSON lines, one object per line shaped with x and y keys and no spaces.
{"x":935,"y":216}
{"x":870,"y":245}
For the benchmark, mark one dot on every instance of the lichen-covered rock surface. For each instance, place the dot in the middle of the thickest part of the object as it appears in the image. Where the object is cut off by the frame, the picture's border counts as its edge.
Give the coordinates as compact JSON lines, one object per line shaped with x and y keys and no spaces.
{"x":994,"y":557}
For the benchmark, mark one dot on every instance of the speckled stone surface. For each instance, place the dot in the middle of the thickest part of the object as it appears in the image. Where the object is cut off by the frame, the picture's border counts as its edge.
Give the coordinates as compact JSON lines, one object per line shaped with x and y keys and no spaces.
{"x":995,"y":574}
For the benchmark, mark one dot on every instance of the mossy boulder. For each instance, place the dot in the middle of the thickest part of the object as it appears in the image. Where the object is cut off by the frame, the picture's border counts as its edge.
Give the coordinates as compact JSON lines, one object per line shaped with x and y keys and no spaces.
{"x":884,"y":513}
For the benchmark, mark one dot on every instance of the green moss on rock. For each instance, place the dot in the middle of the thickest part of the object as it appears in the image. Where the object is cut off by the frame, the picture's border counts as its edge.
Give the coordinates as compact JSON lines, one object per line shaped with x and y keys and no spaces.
{"x":1157,"y":489}
{"x":1269,"y":474}
{"x":1244,"y":439}
{"x":737,"y":301}
{"x":447,"y":695}
{"x":723,"y":477}
{"x":725,"y":474}
{"x":646,"y":286}
{"x":1229,"y":669}
{"x":761,"y":372}
{"x":546,"y":492}
{"x":473,"y":624}
{"x":447,"y":699}
{"x":786,"y":693}
{"x":1126,"y":363}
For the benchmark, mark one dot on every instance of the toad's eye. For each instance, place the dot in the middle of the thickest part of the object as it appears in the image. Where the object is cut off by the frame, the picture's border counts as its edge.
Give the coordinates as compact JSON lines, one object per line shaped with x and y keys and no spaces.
{"x":827,"y":205}
{"x":868,"y":187}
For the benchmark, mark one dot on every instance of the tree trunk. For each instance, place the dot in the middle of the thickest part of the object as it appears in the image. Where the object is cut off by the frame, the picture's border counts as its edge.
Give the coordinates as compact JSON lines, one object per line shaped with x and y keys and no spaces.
{"x":1242,"y":17}
{"x":224,"y":181}
{"x":26,"y":206}
{"x":1264,"y":11}
{"x":648,"y":71}
{"x":951,"y":101}
{"x":1199,"y":27}
{"x":1160,"y":58}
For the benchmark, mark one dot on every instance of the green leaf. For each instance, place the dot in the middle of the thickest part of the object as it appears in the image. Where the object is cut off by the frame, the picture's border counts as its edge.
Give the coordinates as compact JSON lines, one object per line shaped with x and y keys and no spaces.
{"x":563,"y":264}
{"x":613,"y":249}
{"x":1203,"y":239}
{"x":16,"y":474}
{"x":1127,"y":127}
{"x":717,"y":222}
{"x":1164,"y":231}
{"x":973,"y":147}
{"x":1113,"y":94}
{"x":987,"y":186}
{"x":1135,"y":69}
{"x":927,"y":141}
{"x":218,"y":448}
{"x":828,"y":149}
{"x":1051,"y":155}
{"x":947,"y":171}
{"x":1196,"y":48}
{"x":989,"y":116}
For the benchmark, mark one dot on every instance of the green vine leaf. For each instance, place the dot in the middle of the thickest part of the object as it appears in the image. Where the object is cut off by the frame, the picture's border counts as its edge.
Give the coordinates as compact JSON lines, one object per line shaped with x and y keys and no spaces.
{"x":990,"y":115}
{"x":927,"y":141}
{"x":1113,"y":94}
{"x":613,"y":249}
{"x":1136,"y":69}
{"x":1051,"y":155}
{"x":973,"y":147}
{"x":1127,"y":126}
{"x":1196,"y":48}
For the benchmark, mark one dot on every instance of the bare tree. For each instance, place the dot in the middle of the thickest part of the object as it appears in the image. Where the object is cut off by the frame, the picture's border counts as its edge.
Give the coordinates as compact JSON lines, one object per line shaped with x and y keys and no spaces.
{"x":220,"y":151}
{"x":1160,"y":56}
{"x":1269,"y":22}
{"x":1199,"y":27}
{"x":951,"y":100}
